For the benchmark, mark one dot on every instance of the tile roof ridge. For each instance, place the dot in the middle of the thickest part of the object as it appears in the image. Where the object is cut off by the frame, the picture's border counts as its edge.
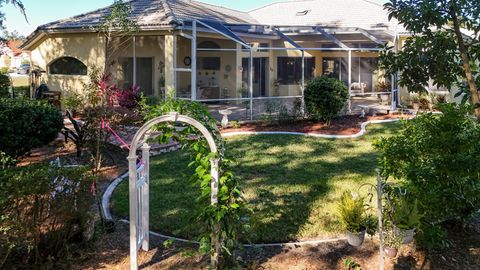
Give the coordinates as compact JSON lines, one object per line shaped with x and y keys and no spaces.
{"x":219,"y":6}
{"x":279,"y":2}
{"x":169,"y":11}
{"x":76,"y":16}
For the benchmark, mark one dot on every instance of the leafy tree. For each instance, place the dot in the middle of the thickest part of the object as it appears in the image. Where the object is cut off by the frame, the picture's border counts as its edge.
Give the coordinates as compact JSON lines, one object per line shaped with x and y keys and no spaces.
{"x":444,"y":45}
{"x":17,"y":3}
{"x":116,"y":25}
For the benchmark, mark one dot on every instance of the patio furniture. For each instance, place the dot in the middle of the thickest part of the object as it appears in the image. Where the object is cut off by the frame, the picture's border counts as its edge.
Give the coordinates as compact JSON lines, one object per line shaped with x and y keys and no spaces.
{"x":225,"y":114}
{"x":374,"y":109}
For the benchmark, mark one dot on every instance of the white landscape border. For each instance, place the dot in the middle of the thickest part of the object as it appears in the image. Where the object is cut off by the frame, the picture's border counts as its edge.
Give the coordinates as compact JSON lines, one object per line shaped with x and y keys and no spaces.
{"x":106,"y":198}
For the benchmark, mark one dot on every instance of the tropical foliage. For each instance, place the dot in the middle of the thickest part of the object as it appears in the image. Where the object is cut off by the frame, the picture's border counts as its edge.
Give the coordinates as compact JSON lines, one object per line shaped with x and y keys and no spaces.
{"x":444,"y":45}
{"x":436,"y":158}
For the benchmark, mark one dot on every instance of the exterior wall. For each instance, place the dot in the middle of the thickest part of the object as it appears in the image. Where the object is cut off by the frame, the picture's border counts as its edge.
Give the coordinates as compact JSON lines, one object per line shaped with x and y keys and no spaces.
{"x":88,"y":48}
{"x":146,"y":46}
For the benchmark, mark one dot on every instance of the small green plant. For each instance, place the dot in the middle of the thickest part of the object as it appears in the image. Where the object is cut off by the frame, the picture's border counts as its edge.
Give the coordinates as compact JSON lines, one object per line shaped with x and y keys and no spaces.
{"x":4,"y":70}
{"x":406,"y":215}
{"x":414,"y":98}
{"x":351,"y":264}
{"x":371,"y":224}
{"x":351,"y":211}
{"x":235,"y":124}
{"x":73,"y":101}
{"x":392,"y":238}
{"x":324,"y":98}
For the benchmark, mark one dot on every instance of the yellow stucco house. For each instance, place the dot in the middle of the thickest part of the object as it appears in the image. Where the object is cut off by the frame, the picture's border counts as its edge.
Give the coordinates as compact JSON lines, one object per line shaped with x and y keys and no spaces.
{"x":222,"y":56}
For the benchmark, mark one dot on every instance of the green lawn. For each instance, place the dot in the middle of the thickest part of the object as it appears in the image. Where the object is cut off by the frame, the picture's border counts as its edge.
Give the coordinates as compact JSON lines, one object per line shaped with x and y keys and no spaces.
{"x":291,"y":182}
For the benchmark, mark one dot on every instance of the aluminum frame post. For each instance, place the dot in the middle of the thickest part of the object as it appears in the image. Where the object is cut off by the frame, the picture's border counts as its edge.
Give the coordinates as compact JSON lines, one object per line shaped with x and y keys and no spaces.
{"x":134,"y":60}
{"x":349,"y":81}
{"x":250,"y":82}
{"x":194,"y":61}
{"x":303,"y":83}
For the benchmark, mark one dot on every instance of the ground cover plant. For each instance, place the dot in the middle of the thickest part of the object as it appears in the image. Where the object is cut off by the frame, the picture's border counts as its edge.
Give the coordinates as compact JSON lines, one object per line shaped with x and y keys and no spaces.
{"x":44,"y":209}
{"x":291,"y":183}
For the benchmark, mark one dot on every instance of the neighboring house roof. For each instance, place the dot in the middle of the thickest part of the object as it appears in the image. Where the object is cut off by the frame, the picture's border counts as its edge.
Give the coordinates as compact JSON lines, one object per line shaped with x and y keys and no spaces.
{"x":14,"y":45}
{"x":366,"y":14}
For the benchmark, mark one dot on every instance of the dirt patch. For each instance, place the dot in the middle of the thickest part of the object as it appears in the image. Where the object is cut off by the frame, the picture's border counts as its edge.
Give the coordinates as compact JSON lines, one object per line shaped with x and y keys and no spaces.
{"x":111,"y":251}
{"x":343,"y":125}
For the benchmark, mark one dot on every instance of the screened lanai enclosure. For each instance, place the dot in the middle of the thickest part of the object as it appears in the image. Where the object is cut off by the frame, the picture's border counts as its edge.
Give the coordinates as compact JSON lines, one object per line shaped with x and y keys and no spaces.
{"x":254,"y":70}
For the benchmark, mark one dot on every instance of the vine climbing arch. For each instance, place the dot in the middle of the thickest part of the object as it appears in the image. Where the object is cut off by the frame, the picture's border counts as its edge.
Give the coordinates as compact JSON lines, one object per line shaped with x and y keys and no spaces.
{"x":139,"y":180}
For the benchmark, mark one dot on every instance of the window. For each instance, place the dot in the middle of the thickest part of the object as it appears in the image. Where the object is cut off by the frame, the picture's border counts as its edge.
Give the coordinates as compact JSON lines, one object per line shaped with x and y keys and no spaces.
{"x":209,"y":63}
{"x":208,"y":45}
{"x":335,"y":67}
{"x":144,"y":74}
{"x":290,"y":69}
{"x":67,"y":66}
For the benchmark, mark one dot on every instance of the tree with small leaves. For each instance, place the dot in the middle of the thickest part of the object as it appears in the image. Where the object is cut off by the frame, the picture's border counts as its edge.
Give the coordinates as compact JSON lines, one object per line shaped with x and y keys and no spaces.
{"x":444,"y":46}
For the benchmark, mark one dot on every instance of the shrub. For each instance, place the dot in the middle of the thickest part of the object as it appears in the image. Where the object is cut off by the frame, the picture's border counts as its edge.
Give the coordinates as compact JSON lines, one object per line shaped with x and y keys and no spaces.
{"x":43,"y":209}
{"x":324,"y":98}
{"x":4,"y":70}
{"x":129,"y":98}
{"x":437,"y":158}
{"x":26,"y":124}
{"x":5,"y":84}
{"x":21,"y":91}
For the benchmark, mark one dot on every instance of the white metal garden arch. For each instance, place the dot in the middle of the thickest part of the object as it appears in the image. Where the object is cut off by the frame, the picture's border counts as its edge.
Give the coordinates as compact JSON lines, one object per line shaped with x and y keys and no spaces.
{"x":139,"y":180}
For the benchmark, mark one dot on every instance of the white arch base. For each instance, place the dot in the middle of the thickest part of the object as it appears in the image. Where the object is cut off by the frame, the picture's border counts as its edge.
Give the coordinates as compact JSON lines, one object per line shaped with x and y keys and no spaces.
{"x":139,"y":181}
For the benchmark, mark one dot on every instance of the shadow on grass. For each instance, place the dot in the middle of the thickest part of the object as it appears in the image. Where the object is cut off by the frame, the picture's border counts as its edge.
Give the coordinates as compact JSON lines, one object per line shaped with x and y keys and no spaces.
{"x":290,"y":182}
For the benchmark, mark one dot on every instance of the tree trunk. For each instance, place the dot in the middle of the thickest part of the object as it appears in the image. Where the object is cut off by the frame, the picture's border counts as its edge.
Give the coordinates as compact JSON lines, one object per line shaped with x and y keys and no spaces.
{"x":466,"y":62}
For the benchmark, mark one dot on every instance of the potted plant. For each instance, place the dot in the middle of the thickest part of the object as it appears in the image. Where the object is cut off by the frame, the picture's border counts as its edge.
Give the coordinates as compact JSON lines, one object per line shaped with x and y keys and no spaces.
{"x":406,"y":218}
{"x":351,"y":212}
{"x":425,"y":102}
{"x":415,"y":100}
{"x":392,"y":241}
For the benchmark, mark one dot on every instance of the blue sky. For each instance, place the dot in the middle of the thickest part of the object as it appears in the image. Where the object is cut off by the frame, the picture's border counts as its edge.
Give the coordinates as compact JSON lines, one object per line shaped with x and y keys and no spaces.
{"x":40,"y":12}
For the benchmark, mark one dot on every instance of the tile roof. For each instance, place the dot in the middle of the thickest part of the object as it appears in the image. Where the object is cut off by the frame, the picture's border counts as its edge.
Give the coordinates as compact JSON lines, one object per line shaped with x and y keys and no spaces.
{"x":366,"y":14}
{"x":155,"y":13}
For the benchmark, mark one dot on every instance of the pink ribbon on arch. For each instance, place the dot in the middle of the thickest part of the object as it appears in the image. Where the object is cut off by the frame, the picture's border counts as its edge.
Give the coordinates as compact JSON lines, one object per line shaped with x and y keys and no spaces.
{"x":105,"y":125}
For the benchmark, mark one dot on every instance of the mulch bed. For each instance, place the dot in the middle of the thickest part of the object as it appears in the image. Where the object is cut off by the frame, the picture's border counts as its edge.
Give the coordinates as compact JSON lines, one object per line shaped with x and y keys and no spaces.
{"x":342,"y":125}
{"x":111,"y":251}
